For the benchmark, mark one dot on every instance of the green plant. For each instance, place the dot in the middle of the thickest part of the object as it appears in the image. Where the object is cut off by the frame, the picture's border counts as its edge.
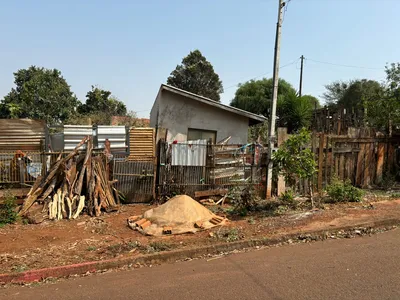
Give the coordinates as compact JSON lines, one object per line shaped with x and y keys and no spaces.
{"x":229,"y":235}
{"x":251,"y":221}
{"x":294,"y":161}
{"x":343,"y":191}
{"x":8,"y":214}
{"x":158,"y":247}
{"x":395,"y":195}
{"x":91,"y":248}
{"x":243,"y":200}
{"x":287,"y":198}
{"x":388,"y":181}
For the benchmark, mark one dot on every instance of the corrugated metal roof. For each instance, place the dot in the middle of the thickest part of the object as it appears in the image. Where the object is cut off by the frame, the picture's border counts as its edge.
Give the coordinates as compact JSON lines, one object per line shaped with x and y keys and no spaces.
{"x":22,"y":134}
{"x":141,"y":143}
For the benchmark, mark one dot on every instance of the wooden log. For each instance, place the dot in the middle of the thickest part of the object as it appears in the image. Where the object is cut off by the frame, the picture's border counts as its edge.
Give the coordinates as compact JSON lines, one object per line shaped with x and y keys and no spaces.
{"x":81,"y":205}
{"x":53,"y":171}
{"x":89,"y":148}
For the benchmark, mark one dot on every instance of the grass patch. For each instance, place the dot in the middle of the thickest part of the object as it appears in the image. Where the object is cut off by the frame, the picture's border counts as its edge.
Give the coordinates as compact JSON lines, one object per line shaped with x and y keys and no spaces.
{"x":343,"y":191}
{"x":91,"y":248}
{"x":117,"y":249}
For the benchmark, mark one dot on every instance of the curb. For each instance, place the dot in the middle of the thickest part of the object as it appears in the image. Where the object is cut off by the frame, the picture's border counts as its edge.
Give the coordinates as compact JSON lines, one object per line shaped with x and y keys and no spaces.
{"x":172,"y":256}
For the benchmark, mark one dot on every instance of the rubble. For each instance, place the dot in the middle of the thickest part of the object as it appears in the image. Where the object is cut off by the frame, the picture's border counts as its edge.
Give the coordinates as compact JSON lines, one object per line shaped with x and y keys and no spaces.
{"x":72,"y":184}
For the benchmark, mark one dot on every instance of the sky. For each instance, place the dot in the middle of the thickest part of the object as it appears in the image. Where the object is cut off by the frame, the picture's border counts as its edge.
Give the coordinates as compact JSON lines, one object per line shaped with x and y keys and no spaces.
{"x":130,"y":47}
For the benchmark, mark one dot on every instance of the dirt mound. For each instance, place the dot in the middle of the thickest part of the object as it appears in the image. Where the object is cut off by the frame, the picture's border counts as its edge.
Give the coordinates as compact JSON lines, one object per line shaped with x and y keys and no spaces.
{"x":181,"y":214}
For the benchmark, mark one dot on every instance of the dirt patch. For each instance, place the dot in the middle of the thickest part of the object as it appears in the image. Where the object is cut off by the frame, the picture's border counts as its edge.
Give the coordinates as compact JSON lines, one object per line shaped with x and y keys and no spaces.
{"x":50,"y":243}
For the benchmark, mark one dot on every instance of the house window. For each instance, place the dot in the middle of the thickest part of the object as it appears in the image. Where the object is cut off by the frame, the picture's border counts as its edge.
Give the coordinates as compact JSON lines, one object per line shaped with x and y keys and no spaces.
{"x":199,"y":134}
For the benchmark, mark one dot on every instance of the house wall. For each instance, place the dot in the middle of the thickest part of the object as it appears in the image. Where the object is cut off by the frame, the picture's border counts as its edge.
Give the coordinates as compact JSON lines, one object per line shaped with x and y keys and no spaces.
{"x":177,"y":114}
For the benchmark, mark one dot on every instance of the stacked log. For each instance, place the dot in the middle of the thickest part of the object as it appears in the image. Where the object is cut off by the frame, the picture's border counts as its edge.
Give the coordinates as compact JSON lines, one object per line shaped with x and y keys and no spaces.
{"x":72,"y":184}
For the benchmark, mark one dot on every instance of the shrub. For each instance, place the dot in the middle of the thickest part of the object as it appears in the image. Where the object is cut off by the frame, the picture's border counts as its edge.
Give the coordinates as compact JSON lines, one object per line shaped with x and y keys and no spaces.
{"x":8,"y":214}
{"x":243,"y":200}
{"x":287,"y":198}
{"x":344,"y":191}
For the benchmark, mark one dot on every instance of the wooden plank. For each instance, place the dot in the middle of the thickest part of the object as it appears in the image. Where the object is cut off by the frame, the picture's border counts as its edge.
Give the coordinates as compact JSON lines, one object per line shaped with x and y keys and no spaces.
{"x":326,"y":162}
{"x":390,"y":159}
{"x":368,"y":159}
{"x":360,"y":165}
{"x":320,"y":161}
{"x":341,"y":166}
{"x":314,"y":151}
{"x":380,"y":162}
{"x":207,"y":193}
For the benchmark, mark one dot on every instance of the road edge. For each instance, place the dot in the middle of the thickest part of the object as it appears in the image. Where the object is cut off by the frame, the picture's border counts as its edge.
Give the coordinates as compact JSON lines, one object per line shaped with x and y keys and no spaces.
{"x":175,"y":255}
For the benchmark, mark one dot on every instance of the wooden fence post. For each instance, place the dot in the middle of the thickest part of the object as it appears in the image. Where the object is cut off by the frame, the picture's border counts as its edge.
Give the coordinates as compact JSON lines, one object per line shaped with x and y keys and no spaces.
{"x":320,"y":160}
{"x":282,"y":137}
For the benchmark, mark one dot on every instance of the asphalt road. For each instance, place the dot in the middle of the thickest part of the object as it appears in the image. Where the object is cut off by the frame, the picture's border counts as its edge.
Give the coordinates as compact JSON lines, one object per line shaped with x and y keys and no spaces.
{"x":360,"y":268}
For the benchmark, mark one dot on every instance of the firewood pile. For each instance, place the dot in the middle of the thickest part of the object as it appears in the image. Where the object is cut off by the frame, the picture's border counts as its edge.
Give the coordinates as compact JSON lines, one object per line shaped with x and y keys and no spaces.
{"x":72,"y":184}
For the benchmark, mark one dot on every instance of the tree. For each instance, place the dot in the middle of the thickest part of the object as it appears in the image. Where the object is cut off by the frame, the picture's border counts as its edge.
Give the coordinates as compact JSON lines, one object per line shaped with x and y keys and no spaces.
{"x":39,"y":94}
{"x":196,"y":75}
{"x":314,"y":102}
{"x":295,"y":112}
{"x":335,"y":91}
{"x":354,"y":94}
{"x":295,"y":161}
{"x":99,"y":100}
{"x":255,"y":95}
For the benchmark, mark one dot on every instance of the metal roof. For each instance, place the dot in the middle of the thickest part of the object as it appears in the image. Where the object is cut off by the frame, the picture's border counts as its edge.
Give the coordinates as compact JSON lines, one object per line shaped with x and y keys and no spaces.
{"x":211,"y":102}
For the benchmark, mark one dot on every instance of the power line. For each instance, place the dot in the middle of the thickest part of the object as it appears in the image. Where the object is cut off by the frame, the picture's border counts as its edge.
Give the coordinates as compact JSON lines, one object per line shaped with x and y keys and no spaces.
{"x":341,"y":65}
{"x":288,"y":64}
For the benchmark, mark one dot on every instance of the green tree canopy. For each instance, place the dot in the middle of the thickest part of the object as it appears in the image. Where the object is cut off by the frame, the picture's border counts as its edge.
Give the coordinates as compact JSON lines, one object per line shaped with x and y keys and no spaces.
{"x":39,"y":93}
{"x":99,"y":100}
{"x":353,"y":94}
{"x":255,"y":95}
{"x":196,"y":75}
{"x":295,"y":112}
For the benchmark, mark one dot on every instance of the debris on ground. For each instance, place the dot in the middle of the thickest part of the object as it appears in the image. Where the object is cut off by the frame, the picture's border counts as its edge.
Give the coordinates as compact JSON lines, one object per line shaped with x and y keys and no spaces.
{"x":181,"y":214}
{"x":74,"y":182}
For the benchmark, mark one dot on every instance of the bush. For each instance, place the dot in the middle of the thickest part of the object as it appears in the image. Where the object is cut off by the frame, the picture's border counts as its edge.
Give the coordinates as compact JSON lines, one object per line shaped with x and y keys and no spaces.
{"x":343,"y":191}
{"x":8,"y":214}
{"x":243,"y":200}
{"x":287,"y":198}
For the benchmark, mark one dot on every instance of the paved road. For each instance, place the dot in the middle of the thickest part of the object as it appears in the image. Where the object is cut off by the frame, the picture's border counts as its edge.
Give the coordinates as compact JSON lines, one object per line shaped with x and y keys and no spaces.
{"x":361,"y":268}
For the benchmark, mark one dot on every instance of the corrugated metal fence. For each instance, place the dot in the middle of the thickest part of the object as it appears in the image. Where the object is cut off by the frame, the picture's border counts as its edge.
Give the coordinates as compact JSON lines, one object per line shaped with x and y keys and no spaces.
{"x":22,"y":134}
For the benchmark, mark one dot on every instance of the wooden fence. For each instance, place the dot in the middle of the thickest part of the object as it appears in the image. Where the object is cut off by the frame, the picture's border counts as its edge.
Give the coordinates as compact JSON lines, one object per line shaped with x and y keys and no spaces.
{"x":363,"y":160}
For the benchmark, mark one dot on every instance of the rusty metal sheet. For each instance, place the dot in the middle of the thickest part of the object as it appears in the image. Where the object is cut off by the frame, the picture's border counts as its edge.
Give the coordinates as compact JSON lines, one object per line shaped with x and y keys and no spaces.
{"x":22,"y":134}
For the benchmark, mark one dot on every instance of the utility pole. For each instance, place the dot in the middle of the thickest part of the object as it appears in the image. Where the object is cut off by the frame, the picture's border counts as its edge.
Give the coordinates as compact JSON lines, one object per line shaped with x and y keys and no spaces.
{"x":301,"y":76}
{"x":271,"y":135}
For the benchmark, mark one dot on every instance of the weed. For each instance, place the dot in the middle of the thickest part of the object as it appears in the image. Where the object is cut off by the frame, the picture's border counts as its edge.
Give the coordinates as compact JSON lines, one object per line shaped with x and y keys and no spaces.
{"x":158,"y":247}
{"x":395,"y":195}
{"x":91,"y":248}
{"x":8,"y":214}
{"x":251,"y":221}
{"x":287,"y":199}
{"x":343,"y":191}
{"x":229,"y":235}
{"x":243,"y":200}
{"x":388,"y":181}
{"x":19,"y":268}
{"x":117,"y":249}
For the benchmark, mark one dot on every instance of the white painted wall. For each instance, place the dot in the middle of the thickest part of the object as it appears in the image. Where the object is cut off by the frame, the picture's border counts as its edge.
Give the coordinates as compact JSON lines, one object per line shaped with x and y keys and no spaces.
{"x":178,"y":113}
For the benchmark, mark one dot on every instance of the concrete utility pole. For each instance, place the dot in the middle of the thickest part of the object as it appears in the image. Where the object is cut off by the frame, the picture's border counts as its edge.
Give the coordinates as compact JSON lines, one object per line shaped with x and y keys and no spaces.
{"x":272,"y":137}
{"x":301,"y":76}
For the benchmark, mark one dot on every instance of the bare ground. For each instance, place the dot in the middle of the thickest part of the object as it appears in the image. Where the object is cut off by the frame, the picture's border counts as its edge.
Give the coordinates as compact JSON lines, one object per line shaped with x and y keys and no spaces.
{"x":24,"y":247}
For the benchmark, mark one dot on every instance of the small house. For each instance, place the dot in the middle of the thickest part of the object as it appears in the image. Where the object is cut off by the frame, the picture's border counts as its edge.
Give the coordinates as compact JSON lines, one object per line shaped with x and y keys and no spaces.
{"x":188,"y":116}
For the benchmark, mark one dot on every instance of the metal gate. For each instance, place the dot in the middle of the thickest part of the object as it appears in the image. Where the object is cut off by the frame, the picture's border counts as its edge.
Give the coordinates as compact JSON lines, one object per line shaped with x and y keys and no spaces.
{"x":136,"y":179}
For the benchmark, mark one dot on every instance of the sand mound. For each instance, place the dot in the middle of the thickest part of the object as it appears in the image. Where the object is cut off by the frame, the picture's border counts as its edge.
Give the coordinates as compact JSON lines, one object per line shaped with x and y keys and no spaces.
{"x":180,"y":213}
{"x":179,"y":210}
